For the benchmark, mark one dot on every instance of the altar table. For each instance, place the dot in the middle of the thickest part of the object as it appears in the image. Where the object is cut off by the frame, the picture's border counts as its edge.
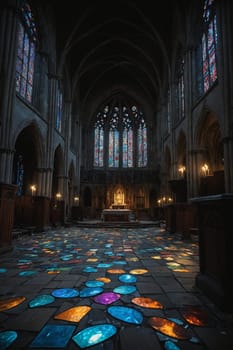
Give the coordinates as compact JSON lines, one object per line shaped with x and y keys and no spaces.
{"x":116,"y":214}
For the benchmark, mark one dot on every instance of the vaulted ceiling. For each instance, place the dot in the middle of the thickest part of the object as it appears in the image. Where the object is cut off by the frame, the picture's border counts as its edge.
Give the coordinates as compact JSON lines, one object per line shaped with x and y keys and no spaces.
{"x":117,"y":47}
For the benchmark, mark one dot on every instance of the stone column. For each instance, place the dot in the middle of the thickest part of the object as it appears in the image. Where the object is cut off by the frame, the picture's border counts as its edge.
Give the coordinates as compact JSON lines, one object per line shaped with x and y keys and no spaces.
{"x":7,"y":205}
{"x":8,"y":44}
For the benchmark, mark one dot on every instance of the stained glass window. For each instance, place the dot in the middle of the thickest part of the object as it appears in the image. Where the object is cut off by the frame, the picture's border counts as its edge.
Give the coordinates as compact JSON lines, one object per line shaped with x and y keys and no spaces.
{"x":120,"y":136}
{"x":180,"y":111}
{"x":25,"y":61}
{"x":113,"y":143}
{"x":142,"y":145}
{"x":209,"y":45}
{"x":59,"y":110}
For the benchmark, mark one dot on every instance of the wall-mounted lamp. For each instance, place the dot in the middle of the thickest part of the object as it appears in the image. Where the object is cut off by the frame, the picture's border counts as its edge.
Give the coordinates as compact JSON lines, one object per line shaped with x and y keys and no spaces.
{"x":165,"y":200}
{"x":205,"y":170}
{"x":76,"y":199}
{"x":58,"y":196}
{"x":181,"y":170}
{"x":33,"y":189}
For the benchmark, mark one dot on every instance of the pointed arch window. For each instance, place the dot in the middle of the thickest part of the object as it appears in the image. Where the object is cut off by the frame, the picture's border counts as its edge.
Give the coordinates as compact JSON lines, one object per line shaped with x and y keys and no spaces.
{"x":120,"y":137}
{"x":209,"y":45}
{"x":25,"y":61}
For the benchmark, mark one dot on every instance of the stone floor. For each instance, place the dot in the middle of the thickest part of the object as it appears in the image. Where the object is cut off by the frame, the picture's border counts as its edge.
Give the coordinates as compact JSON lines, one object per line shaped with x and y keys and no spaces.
{"x":62,"y":261}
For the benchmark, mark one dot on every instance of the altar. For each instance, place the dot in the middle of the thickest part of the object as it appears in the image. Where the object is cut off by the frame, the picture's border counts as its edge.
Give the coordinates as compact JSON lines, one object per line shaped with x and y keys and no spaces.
{"x":116,"y":214}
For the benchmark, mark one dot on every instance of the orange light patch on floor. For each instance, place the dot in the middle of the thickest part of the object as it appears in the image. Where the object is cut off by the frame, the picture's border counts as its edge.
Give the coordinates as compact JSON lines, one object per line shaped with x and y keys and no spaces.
{"x":10,"y":303}
{"x":147,"y":302}
{"x":116,"y":271}
{"x":92,"y":260}
{"x":168,"y":327}
{"x":103,"y":279}
{"x":74,"y":314}
{"x":138,"y":271}
{"x":53,"y":272}
{"x":195,"y":316}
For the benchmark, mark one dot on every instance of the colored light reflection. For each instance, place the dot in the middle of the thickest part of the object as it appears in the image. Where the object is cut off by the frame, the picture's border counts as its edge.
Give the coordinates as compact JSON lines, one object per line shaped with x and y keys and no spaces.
{"x":107,"y":298}
{"x":10,"y":303}
{"x":65,"y":293}
{"x":195,"y":316}
{"x":53,"y":336}
{"x":90,"y":291}
{"x":94,"y":283}
{"x":169,"y":345}
{"x":27,"y":273}
{"x":104,"y":265}
{"x":126,"y":314}
{"x":124,"y":289}
{"x":94,"y":335}
{"x":7,"y":338}
{"x":116,"y":271}
{"x":2,"y":270}
{"x":168,"y":327}
{"x":103,"y":279}
{"x":138,"y":271}
{"x":41,"y":300}
{"x":90,"y":269}
{"x":127,"y":278}
{"x":147,"y":302}
{"x":74,"y":314}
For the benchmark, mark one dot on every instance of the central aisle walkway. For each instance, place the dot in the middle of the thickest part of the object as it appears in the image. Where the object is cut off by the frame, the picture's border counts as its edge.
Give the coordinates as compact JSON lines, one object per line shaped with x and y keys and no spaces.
{"x":137,"y":285}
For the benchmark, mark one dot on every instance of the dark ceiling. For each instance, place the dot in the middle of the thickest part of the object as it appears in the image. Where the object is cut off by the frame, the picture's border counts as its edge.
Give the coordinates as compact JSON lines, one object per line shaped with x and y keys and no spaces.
{"x":116,"y":47}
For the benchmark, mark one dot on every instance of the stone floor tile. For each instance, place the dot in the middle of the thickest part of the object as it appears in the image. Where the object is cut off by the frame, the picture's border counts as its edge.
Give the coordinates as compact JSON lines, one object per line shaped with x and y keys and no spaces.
{"x":30,"y":320}
{"x":139,"y":339}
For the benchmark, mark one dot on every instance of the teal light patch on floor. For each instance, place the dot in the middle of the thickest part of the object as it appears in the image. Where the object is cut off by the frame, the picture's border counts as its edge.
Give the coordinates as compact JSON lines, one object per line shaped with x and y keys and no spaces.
{"x":127,"y":278}
{"x":2,"y":270}
{"x":170,"y":345}
{"x":124,"y":289}
{"x":94,"y":335}
{"x":41,"y":300}
{"x":7,"y":338}
{"x":27,"y":273}
{"x":104,"y":265}
{"x":53,"y":336}
{"x":89,"y":291}
{"x":65,"y":293}
{"x":94,"y":284}
{"x":90,"y":269}
{"x":126,"y":314}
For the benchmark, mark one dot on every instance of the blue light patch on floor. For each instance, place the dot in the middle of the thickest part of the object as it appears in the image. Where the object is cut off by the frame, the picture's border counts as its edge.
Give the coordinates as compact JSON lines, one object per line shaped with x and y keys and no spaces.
{"x":89,"y":291}
{"x":27,"y":273}
{"x":170,"y":345}
{"x":104,"y":265}
{"x":41,"y":300}
{"x":7,"y":338}
{"x":124,"y":289}
{"x":90,"y":269}
{"x":127,"y":278}
{"x":94,"y":283}
{"x":65,"y":293}
{"x":53,"y":336}
{"x":94,"y":335}
{"x":126,"y":314}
